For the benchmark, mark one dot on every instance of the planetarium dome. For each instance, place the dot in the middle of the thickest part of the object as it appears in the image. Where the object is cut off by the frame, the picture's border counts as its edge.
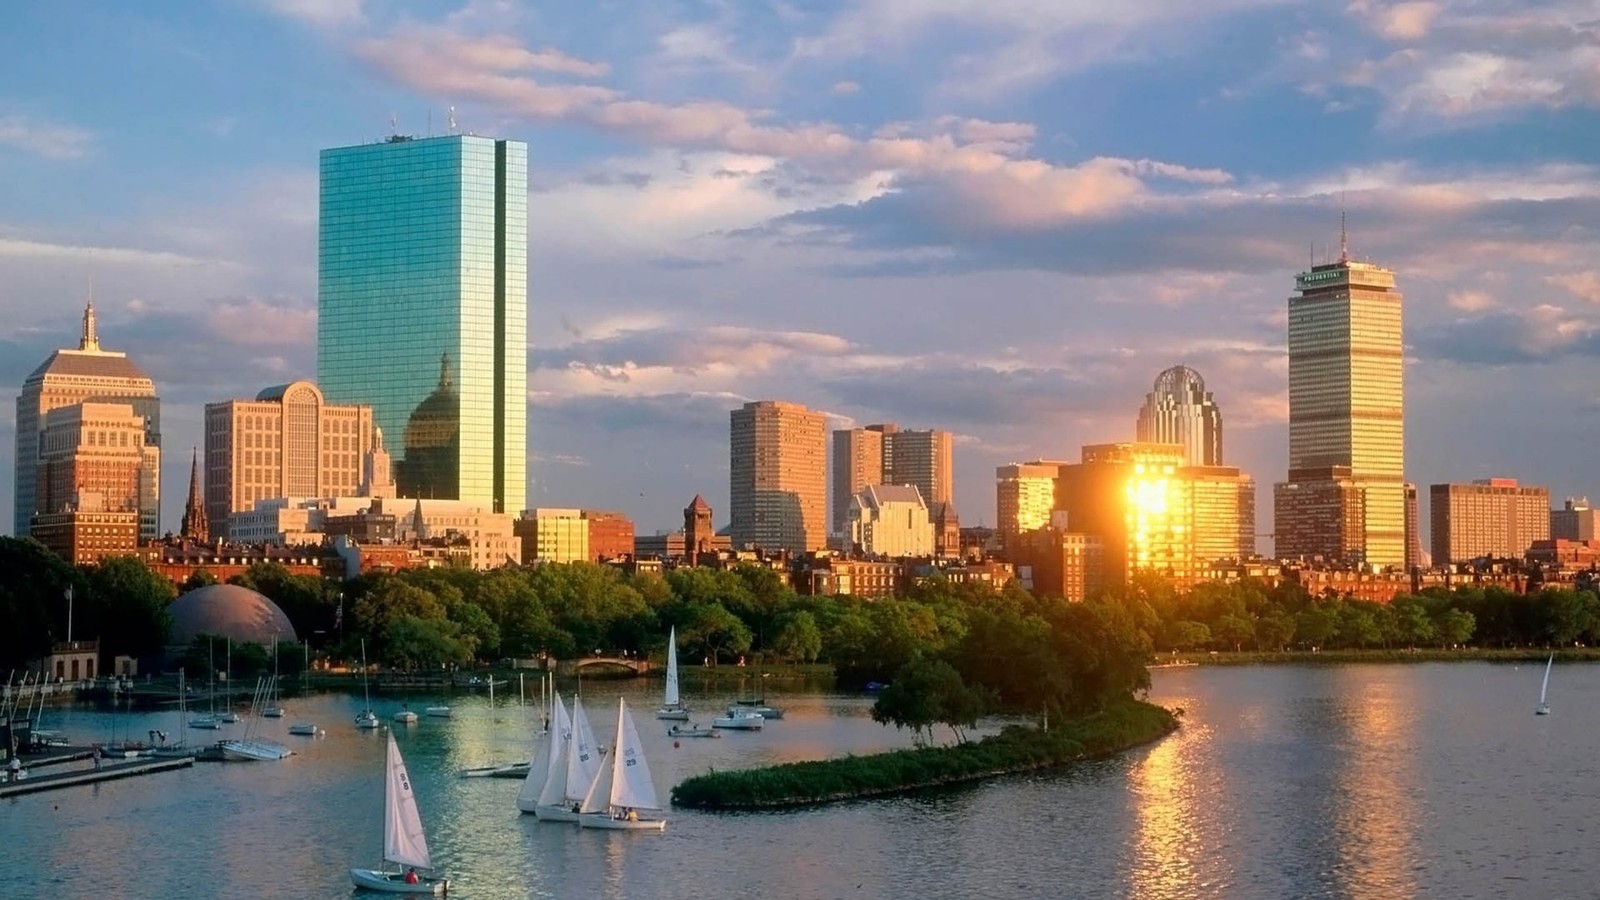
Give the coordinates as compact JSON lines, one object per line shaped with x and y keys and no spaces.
{"x":230,"y":611}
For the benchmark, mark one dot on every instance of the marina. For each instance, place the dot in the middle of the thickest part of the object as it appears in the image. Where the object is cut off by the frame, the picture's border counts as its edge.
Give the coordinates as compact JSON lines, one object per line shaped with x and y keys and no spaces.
{"x":57,"y":780}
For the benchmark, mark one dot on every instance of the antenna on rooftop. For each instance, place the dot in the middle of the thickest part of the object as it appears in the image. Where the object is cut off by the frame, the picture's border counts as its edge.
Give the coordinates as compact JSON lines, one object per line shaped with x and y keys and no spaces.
{"x":394,"y":125}
{"x":1344,"y":236}
{"x":452,"y":120}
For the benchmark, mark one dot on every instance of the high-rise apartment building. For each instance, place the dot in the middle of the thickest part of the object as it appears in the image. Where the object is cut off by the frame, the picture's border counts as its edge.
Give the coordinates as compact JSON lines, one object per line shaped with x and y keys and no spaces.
{"x":1493,"y":517}
{"x":1344,"y":498}
{"x":778,"y":476}
{"x":1181,"y":411}
{"x":423,"y":307}
{"x":884,"y":454}
{"x":287,"y":442}
{"x":87,"y":374}
{"x":1025,"y":495}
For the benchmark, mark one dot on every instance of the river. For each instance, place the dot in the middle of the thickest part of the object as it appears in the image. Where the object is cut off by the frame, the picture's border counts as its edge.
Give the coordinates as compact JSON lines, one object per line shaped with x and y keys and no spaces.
{"x":1394,"y":781}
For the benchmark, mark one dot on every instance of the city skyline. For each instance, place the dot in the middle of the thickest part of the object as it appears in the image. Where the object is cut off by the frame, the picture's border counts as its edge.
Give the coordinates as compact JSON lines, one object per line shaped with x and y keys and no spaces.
{"x":728,"y":205}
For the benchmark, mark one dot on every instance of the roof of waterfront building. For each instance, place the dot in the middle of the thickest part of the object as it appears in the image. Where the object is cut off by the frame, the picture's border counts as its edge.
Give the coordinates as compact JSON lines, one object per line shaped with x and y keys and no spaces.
{"x":230,"y":611}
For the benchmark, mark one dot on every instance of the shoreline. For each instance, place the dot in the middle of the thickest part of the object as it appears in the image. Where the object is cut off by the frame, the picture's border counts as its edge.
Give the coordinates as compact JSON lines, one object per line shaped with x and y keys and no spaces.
{"x":1015,"y":750}
{"x":1343,"y":657}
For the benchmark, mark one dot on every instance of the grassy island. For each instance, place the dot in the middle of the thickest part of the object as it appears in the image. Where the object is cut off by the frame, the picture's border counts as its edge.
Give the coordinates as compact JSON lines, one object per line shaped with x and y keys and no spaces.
{"x":1121,"y":725}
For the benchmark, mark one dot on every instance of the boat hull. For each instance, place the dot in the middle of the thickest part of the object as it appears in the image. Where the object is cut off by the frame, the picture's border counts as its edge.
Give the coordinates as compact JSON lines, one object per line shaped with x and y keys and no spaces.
{"x":395,"y":882}
{"x":367,"y":720}
{"x":254,"y":751}
{"x":438,"y":712}
{"x":406,"y":717}
{"x":508,"y":770}
{"x":304,"y":729}
{"x":740,"y":721}
{"x":272,"y":712}
{"x":611,"y":823}
{"x":693,"y":732}
{"x":554,"y":813}
{"x":677,"y":713}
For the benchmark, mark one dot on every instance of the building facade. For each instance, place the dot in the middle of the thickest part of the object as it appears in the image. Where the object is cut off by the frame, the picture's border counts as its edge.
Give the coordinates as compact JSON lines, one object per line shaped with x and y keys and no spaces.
{"x":69,"y":377}
{"x":891,"y":520}
{"x":554,"y":535}
{"x":287,"y":442}
{"x":1346,"y":418}
{"x":1025,"y":495}
{"x":884,"y":454}
{"x":1181,"y":411}
{"x":95,"y":450}
{"x":422,"y":307}
{"x":778,"y":481}
{"x":1575,"y":521}
{"x":1494,"y":517}
{"x":610,"y":535}
{"x":1066,"y":564}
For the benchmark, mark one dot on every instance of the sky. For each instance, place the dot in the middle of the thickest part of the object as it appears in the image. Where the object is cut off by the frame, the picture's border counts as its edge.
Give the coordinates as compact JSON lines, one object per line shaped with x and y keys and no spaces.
{"x":997,"y":217}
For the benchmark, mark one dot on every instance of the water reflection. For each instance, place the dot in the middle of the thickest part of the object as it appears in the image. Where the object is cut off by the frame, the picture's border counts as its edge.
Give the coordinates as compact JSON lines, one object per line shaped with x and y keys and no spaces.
{"x":1375,"y":826}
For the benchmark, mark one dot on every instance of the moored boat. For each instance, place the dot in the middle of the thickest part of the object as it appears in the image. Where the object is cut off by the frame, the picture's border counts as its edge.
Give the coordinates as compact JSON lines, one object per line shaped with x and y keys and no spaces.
{"x":692,"y":730}
{"x":406,"y":717}
{"x":740,"y":719}
{"x":623,"y":788}
{"x":304,"y":729}
{"x":672,"y":706}
{"x":438,"y":712}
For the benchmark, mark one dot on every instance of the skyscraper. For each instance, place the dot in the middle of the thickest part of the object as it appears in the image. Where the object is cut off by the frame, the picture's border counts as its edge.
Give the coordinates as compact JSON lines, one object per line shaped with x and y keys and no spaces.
{"x":1344,"y":498}
{"x":71,"y":377}
{"x":884,"y":454}
{"x":1024,"y":496}
{"x":1181,"y":411}
{"x":422,"y":307}
{"x":778,"y":476}
{"x":287,"y":442}
{"x":1493,"y":517}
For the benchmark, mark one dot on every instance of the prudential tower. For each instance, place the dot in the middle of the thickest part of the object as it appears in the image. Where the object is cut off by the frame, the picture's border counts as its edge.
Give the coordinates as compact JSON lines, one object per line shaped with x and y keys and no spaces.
{"x":1344,"y":499}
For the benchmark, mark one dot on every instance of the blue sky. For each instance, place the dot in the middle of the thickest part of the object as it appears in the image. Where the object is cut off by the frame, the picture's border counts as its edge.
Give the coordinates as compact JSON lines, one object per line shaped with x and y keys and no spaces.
{"x":1000,"y":218}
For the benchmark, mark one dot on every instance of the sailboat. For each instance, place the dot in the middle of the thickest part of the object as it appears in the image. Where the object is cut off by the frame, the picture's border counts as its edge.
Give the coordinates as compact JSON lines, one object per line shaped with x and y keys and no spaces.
{"x":273,"y":709}
{"x":548,"y":771}
{"x":671,"y":707}
{"x":181,"y":748}
{"x":228,"y":715}
{"x":366,"y":718}
{"x":251,"y":748}
{"x":209,"y":722}
{"x":404,"y":842}
{"x":624,"y":786}
{"x":562,"y":797}
{"x":1543,"y":709}
{"x":303,"y":728}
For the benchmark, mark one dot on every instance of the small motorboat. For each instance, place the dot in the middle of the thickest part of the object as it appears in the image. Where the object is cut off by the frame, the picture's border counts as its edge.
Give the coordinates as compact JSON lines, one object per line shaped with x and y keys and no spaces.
{"x":406,"y":717}
{"x":272,"y":712}
{"x":740,"y":719}
{"x":366,"y":719}
{"x":692,"y":730}
{"x":438,"y":712}
{"x":304,"y":729}
{"x":230,"y":717}
{"x":209,"y":723}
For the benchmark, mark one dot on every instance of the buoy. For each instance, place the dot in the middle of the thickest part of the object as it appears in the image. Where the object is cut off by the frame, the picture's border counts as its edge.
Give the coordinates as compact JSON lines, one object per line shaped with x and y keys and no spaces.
{"x":675,"y":745}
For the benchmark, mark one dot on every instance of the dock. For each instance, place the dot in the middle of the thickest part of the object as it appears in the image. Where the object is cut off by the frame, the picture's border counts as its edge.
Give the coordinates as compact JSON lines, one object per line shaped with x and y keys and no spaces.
{"x":108,"y":772}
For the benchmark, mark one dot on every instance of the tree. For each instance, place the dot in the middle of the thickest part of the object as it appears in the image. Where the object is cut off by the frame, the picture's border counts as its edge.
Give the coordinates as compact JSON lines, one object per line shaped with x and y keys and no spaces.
{"x":130,"y":607}
{"x":416,"y":643}
{"x":1274,"y":631}
{"x":1317,"y":624}
{"x":1235,"y":631}
{"x":32,"y":604}
{"x":1412,"y":621}
{"x":1187,"y":635}
{"x":713,"y":631}
{"x":798,"y":637}
{"x":927,"y":692}
{"x":1454,"y":626}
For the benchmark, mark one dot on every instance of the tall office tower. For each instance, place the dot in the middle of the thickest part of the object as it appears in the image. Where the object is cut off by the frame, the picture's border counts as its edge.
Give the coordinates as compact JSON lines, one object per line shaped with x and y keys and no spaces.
{"x":422,"y":297}
{"x":857,"y":462}
{"x":287,"y":442}
{"x":1413,"y":529}
{"x":884,"y":454}
{"x":1024,"y":495}
{"x":1344,"y":498}
{"x":1493,"y":517}
{"x":778,"y":476}
{"x":925,"y":460}
{"x":1575,"y":522}
{"x":1181,"y":411}
{"x":94,"y":449}
{"x":69,"y":377}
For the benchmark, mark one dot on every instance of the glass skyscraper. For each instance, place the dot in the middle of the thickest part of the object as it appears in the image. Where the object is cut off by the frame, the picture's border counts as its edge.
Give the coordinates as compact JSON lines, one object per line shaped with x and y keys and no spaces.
{"x":423,"y":308}
{"x":1180,"y":411}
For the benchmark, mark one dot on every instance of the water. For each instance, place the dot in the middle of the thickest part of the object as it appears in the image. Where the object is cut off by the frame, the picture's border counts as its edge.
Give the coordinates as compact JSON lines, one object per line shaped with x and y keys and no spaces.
{"x":1431,"y":780}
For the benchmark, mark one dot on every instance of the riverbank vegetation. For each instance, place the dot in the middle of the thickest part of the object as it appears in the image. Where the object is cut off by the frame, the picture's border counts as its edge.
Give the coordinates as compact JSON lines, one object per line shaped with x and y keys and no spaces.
{"x":1120,"y":725}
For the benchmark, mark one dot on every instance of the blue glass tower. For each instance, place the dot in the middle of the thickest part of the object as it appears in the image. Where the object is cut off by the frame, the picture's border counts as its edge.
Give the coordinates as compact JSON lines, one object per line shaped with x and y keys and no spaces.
{"x":422,"y":294}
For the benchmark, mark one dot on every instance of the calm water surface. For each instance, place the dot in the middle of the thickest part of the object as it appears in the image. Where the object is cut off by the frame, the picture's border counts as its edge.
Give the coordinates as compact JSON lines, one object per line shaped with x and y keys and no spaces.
{"x":1431,"y":780}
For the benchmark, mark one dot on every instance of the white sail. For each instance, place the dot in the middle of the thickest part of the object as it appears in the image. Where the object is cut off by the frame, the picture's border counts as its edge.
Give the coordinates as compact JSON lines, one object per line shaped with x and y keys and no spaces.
{"x":403,"y":840}
{"x":631,"y":785}
{"x":1545,"y":688}
{"x":546,"y":783}
{"x":598,"y":797}
{"x":672,"y":668}
{"x":583,"y":758}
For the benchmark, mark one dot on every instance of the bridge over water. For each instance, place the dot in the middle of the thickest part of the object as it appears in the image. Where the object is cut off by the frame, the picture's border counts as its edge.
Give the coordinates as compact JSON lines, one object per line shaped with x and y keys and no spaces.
{"x":569,"y":667}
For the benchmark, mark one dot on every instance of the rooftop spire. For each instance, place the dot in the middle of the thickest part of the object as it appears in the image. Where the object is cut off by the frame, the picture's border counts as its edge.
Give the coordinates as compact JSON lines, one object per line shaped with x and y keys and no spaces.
{"x":195,"y":526}
{"x":1344,"y":236}
{"x":90,"y":340}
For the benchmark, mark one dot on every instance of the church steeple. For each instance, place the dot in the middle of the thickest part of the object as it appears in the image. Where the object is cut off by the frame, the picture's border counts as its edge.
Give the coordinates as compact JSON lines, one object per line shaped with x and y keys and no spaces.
{"x":195,"y":527}
{"x":90,"y":340}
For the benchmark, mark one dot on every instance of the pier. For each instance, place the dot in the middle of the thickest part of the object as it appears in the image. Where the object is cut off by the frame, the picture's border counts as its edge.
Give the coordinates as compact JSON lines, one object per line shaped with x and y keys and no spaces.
{"x":107,"y":772}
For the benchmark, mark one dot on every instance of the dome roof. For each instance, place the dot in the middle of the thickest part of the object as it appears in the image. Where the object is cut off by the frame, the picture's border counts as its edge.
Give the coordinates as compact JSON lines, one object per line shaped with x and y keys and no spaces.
{"x":231,"y":611}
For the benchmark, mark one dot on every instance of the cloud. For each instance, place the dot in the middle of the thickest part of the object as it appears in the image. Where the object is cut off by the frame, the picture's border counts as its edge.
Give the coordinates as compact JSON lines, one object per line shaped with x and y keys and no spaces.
{"x":47,"y":139}
{"x":1471,"y":301}
{"x":1584,"y":284}
{"x":1408,"y":21}
{"x":317,"y":13}
{"x":846,"y":87}
{"x":21,"y":247}
{"x":1543,"y":334}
